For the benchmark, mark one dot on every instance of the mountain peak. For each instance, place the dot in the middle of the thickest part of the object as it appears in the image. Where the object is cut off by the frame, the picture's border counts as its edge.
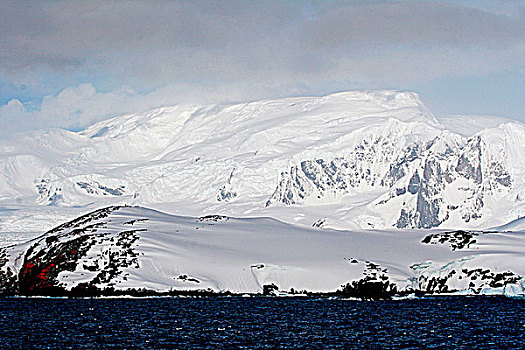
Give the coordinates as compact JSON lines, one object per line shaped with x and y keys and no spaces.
{"x":357,"y":158}
{"x":342,"y":106}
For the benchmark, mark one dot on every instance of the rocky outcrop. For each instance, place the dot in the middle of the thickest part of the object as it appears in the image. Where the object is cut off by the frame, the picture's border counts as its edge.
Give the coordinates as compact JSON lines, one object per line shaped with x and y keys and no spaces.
{"x":423,"y":175}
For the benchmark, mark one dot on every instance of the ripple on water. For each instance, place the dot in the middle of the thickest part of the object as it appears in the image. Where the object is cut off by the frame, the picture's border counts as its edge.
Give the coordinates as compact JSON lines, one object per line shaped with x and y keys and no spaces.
{"x":262,"y":323}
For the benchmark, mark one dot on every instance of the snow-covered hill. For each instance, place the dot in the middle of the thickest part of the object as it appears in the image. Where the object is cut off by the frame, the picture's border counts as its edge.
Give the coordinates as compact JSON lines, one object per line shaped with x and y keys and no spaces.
{"x":516,"y":225}
{"x":123,"y":248}
{"x":372,"y":159}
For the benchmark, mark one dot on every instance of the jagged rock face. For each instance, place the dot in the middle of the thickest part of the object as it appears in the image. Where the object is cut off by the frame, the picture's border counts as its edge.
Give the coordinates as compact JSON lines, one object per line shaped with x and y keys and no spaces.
{"x":318,"y":178}
{"x":52,"y":192}
{"x":48,"y":261}
{"x":374,"y":285}
{"x":456,"y":277}
{"x":422,"y":175}
{"x":227,"y":193}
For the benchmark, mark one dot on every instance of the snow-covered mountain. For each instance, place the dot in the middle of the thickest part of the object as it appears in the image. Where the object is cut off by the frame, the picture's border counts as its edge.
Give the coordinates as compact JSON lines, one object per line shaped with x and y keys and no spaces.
{"x":373,"y":159}
{"x":120,"y":249}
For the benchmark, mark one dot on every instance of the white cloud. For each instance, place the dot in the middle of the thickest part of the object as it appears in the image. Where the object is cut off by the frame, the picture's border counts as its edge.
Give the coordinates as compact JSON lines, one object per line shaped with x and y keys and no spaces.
{"x":74,"y":107}
{"x":80,"y":106}
{"x":159,"y":53}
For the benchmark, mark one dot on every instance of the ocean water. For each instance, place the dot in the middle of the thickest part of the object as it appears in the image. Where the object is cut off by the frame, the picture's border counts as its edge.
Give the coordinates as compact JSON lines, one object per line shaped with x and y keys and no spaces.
{"x":262,"y":323}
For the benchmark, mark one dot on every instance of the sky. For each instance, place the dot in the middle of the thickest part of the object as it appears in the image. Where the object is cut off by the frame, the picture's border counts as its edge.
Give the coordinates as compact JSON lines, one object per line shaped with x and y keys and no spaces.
{"x":69,"y":64}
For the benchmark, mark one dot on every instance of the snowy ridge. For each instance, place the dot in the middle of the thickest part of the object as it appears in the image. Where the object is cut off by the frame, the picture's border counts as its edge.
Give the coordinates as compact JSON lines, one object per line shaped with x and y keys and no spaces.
{"x":123,"y":248}
{"x":371,"y":159}
{"x":469,"y":125}
{"x":516,"y":225}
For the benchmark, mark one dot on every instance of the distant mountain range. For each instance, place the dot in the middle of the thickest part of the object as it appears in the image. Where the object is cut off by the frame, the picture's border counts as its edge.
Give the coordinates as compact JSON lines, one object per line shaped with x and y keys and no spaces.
{"x":371,"y":159}
{"x":274,"y":197}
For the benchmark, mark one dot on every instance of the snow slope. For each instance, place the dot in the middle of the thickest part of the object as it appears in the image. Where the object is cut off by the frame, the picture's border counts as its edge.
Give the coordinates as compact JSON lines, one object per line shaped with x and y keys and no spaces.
{"x":133,"y":247}
{"x":516,"y":225}
{"x":469,"y":125}
{"x":369,"y":159}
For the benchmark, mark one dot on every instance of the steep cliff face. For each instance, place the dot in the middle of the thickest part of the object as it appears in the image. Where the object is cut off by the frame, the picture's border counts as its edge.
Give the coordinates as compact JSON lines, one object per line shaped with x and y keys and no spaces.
{"x":427,"y":182}
{"x":450,"y":182}
{"x":314,"y":179}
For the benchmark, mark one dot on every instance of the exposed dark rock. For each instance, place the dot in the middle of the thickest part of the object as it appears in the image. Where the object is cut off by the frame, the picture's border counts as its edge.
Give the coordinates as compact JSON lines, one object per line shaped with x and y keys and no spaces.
{"x":375,"y":285}
{"x":319,"y":223}
{"x":40,"y":268}
{"x":65,"y":248}
{"x":368,"y":288}
{"x":270,"y":289}
{"x":121,"y":257}
{"x":322,"y":177}
{"x":427,"y":210}
{"x":400,"y":191}
{"x":132,"y":222}
{"x":213,"y":218}
{"x":421,"y":169}
{"x":185,"y":278}
{"x":469,"y":163}
{"x":456,"y":239}
{"x":226,"y":193}
{"x":96,"y":188}
{"x":476,"y":279}
{"x":413,"y":185}
{"x":8,"y":278}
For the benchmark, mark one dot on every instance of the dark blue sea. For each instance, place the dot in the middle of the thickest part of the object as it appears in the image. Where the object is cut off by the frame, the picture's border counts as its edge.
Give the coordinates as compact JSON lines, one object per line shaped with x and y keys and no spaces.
{"x":262,"y":323}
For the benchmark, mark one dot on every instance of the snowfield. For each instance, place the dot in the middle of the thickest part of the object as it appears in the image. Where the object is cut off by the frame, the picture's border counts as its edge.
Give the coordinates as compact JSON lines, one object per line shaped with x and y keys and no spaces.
{"x":136,"y":248}
{"x":308,"y":193}
{"x":352,"y":160}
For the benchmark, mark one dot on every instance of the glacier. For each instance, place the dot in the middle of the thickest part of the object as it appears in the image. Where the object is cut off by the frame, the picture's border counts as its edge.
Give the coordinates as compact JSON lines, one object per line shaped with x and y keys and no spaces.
{"x":351,"y":160}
